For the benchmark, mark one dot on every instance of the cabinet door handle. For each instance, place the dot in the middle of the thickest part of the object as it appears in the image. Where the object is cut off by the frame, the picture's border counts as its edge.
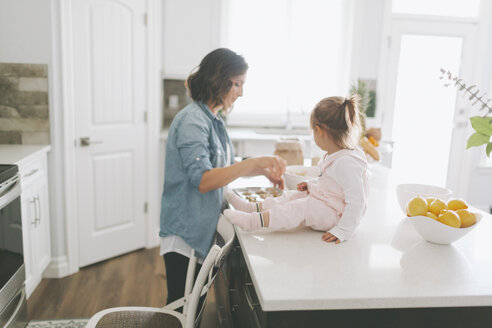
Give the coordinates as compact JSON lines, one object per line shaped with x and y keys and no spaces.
{"x":38,"y":209}
{"x":33,"y":202}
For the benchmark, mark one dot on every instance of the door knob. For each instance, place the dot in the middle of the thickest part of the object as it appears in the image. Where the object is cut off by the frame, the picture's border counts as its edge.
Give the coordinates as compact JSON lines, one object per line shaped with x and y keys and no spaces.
{"x":86,"y":141}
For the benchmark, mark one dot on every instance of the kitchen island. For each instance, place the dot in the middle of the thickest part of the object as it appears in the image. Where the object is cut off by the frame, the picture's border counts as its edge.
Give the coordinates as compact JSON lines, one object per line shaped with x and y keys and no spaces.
{"x":385,"y":276}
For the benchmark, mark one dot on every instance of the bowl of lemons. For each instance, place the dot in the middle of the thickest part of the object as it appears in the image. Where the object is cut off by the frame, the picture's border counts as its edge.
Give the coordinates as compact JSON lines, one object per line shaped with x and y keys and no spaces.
{"x":407,"y":191}
{"x":439,"y":221}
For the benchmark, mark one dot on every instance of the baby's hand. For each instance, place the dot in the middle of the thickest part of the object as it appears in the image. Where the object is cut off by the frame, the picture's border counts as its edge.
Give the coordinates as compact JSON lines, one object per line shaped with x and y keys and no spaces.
{"x":328,"y":237}
{"x":302,"y":186}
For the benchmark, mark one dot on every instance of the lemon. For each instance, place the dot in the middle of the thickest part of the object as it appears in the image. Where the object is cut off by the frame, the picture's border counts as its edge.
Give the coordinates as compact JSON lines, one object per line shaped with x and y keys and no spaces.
{"x":406,"y":210}
{"x":417,"y":206}
{"x":431,"y":215}
{"x":457,"y":204}
{"x":467,"y":218}
{"x":450,"y":218}
{"x":436,"y":206}
{"x":430,"y":200}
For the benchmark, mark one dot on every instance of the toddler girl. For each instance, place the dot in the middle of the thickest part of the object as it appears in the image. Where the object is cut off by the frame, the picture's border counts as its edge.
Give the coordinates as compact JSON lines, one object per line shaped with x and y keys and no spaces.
{"x":336,"y":200}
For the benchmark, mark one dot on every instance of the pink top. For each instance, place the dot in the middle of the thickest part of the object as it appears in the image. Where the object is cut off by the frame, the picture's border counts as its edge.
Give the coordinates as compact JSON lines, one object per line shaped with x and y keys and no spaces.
{"x":343,"y":186}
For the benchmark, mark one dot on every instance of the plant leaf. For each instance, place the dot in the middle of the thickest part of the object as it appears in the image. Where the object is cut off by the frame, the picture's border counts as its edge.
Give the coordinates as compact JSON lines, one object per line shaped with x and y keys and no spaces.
{"x":477,"y":100}
{"x":473,"y":95}
{"x":482,"y":125}
{"x":477,"y":139}
{"x":488,"y":149}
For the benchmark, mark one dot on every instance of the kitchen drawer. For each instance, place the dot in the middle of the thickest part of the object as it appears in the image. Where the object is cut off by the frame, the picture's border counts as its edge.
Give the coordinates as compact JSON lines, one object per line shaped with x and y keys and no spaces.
{"x":244,"y":303}
{"x":32,"y":170}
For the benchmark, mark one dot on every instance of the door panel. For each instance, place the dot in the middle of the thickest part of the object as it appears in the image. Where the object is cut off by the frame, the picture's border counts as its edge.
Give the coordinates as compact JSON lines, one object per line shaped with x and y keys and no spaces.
{"x":109,"y":87}
{"x":111,"y":64}
{"x":113,"y":191}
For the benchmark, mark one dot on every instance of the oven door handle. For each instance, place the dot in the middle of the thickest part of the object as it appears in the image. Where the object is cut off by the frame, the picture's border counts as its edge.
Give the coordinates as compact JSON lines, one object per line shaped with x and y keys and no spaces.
{"x":18,"y":308}
{"x":8,"y":187}
{"x":9,"y":191}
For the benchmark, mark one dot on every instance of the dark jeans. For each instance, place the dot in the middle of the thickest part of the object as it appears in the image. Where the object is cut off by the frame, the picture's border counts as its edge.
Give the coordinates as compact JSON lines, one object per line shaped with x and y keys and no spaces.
{"x":176,"y":268}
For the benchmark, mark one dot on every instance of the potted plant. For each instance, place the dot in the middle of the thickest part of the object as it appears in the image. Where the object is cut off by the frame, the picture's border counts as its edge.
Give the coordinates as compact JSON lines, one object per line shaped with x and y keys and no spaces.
{"x":481,"y":124}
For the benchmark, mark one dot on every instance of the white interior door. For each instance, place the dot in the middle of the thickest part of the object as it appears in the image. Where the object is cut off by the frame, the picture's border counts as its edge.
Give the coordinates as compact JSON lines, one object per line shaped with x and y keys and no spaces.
{"x":109,"y":85}
{"x":426,"y":121}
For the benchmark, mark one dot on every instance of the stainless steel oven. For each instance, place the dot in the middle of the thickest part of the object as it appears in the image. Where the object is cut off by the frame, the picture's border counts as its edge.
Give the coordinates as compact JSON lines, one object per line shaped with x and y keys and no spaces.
{"x":13,"y":310}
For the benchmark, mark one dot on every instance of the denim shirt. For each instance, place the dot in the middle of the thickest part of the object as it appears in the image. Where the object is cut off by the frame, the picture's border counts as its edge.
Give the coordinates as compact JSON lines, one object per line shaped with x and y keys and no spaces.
{"x":197,"y":142}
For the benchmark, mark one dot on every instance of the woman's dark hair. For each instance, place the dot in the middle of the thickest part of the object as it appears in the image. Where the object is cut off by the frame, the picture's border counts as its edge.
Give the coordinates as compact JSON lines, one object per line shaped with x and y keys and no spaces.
{"x":211,"y":80}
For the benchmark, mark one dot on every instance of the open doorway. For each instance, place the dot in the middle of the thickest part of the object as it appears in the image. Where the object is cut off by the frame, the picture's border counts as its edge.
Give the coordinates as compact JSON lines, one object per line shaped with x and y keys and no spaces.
{"x":426,"y":121}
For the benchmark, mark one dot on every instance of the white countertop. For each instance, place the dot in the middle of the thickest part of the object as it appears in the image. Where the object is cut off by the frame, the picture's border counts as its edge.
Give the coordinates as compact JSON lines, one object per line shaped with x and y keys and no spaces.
{"x":385,"y":265}
{"x":257,"y":134}
{"x":20,"y":154}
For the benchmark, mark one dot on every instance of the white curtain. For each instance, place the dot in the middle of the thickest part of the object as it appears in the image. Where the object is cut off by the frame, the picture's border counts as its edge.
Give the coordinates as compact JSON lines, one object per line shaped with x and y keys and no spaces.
{"x":298,"y":52}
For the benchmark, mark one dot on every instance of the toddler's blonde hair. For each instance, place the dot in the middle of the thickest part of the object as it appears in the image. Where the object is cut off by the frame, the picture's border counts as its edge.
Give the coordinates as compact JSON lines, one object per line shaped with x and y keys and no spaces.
{"x":340,"y":118}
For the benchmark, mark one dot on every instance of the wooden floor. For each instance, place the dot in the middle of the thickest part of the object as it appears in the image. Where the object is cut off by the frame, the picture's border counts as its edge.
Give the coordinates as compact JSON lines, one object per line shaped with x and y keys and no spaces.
{"x":134,"y":279}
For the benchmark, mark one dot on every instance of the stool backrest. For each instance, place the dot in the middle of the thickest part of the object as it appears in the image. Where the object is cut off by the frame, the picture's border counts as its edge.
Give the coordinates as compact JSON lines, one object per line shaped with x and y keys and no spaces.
{"x":208,"y":271}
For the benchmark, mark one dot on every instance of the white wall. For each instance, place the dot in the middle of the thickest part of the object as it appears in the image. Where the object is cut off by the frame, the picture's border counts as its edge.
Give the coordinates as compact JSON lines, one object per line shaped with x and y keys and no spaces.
{"x":25,"y":31}
{"x":190,"y":30}
{"x":26,"y":37}
{"x":368,"y":24}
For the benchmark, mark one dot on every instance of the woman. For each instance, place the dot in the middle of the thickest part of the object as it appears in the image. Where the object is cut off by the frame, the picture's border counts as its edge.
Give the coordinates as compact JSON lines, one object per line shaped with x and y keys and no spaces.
{"x":200,"y":162}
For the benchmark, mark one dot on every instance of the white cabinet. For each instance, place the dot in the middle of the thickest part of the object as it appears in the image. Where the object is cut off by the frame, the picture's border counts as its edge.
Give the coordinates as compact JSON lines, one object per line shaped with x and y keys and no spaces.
{"x":191,"y":29}
{"x":35,"y":219}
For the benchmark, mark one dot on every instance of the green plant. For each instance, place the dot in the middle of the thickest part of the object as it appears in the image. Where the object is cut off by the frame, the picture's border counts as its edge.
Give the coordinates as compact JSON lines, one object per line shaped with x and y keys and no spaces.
{"x":481,"y":124}
{"x":367,"y":103}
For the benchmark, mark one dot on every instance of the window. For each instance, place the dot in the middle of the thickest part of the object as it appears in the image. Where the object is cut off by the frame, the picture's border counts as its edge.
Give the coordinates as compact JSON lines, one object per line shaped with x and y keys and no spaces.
{"x":297,"y":51}
{"x":450,"y":8}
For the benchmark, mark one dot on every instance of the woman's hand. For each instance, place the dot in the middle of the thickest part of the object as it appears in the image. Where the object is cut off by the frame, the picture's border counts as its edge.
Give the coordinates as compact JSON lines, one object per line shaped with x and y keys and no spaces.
{"x":277,"y":182}
{"x":302,"y":186}
{"x":328,"y":237}
{"x":273,"y":168}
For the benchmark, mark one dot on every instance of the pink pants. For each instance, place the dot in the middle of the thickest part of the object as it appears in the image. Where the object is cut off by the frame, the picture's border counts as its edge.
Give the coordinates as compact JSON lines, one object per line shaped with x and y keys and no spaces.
{"x":295,"y":208}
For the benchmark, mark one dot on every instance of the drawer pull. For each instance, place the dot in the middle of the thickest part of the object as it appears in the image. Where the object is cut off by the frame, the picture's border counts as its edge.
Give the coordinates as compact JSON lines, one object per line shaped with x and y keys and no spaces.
{"x":249,"y":297}
{"x":252,"y":305}
{"x":30,"y":173}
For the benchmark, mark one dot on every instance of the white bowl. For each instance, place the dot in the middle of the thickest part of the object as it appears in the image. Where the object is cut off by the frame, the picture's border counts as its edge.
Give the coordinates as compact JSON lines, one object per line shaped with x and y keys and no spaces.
{"x":438,"y":233}
{"x":407,"y":191}
{"x":295,"y":174}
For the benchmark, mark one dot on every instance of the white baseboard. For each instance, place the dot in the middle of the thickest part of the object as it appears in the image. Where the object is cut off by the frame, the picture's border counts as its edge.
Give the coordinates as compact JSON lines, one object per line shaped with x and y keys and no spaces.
{"x":154,"y":240}
{"x":58,"y":268}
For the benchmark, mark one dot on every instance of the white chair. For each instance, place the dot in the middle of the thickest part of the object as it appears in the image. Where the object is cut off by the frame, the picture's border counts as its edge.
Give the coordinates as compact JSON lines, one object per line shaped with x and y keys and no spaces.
{"x":148,"y":317}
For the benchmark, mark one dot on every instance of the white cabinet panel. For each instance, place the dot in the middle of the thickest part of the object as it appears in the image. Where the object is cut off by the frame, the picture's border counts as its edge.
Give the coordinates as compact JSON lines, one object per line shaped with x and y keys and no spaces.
{"x":35,"y":220}
{"x":191,"y":29}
